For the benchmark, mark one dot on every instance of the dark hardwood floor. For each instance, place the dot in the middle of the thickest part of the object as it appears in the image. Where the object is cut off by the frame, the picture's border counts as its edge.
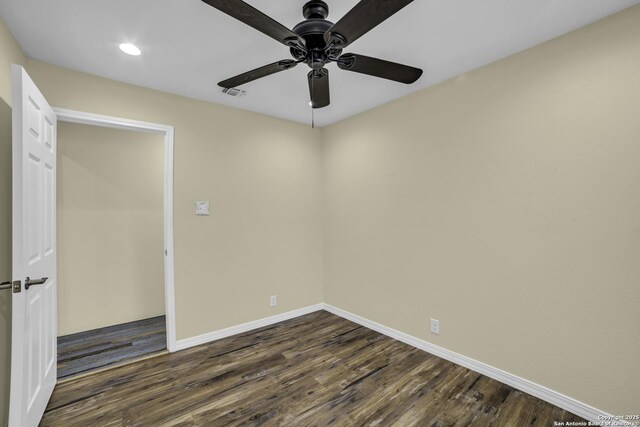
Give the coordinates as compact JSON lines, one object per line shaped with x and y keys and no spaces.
{"x":86,"y":351}
{"x":315,"y":370}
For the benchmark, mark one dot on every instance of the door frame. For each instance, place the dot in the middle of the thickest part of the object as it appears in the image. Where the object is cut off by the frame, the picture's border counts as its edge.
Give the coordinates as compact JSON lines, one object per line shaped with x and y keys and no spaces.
{"x":72,"y":116}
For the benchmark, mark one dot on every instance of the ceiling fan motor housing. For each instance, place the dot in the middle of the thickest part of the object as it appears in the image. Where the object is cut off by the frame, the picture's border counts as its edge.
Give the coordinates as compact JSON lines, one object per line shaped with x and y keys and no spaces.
{"x":312,"y":30}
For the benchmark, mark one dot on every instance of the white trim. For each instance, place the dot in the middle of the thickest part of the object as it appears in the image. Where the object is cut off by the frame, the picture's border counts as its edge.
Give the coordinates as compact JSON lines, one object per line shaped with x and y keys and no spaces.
{"x":72,"y":116}
{"x":555,"y":398}
{"x":81,"y":117}
{"x":245,"y":327}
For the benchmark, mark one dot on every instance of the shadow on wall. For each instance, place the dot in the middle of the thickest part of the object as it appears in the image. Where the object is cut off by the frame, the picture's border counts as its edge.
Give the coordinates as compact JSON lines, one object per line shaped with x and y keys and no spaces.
{"x":5,"y":258}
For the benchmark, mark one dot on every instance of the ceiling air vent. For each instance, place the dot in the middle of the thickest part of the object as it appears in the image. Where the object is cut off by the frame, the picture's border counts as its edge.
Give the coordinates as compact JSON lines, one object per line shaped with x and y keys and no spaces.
{"x":234,"y":92}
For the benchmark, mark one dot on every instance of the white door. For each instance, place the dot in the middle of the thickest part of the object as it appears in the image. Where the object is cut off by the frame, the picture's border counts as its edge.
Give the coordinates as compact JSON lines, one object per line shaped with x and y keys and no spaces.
{"x":33,"y":342}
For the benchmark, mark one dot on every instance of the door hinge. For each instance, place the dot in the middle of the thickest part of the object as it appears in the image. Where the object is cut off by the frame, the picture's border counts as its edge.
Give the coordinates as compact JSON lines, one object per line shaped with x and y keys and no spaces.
{"x":17,"y":287}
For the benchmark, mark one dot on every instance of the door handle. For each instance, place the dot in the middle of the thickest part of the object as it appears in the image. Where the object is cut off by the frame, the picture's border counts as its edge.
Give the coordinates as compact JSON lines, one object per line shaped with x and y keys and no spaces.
{"x":28,"y":283}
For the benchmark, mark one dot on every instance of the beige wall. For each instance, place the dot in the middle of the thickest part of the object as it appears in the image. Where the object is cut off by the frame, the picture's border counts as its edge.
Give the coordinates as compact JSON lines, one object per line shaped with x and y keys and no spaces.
{"x":262,"y":176}
{"x":506,"y":204}
{"x":110,"y":226}
{"x":9,"y":53}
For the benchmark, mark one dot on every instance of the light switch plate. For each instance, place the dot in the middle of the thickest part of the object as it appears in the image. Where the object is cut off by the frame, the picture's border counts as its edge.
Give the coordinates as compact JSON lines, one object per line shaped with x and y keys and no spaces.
{"x":202,"y":208}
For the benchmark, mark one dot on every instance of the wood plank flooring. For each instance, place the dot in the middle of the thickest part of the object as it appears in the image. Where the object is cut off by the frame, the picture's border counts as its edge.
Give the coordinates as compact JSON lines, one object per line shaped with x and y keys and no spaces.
{"x":315,"y":370}
{"x":85,"y":351}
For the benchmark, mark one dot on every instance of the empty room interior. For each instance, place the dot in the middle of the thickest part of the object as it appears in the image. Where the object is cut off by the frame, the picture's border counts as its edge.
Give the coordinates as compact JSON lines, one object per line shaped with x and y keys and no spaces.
{"x":110,"y":245}
{"x":423,"y":213}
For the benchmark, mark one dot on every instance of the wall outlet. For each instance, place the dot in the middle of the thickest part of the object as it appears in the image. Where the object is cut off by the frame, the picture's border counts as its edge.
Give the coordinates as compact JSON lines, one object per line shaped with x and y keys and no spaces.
{"x":273,"y":301}
{"x":435,"y":326}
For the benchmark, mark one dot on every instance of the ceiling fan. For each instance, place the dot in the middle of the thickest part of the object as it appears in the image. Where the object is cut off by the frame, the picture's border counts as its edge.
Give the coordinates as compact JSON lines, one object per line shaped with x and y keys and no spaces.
{"x":316,"y":42}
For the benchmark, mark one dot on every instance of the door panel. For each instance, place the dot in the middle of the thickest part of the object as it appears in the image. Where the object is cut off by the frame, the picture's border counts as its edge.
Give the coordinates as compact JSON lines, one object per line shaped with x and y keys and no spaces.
{"x":34,"y":331}
{"x":50,"y":335}
{"x":33,"y":191}
{"x":48,"y":210}
{"x":34,"y":337}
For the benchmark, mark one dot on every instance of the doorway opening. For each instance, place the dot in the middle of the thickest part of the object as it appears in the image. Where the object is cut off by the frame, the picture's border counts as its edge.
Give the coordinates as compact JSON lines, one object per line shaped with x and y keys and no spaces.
{"x":115,"y":241}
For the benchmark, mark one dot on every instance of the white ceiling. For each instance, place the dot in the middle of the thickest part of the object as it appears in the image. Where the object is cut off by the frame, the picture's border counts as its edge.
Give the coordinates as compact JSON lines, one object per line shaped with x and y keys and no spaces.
{"x":188,"y":46}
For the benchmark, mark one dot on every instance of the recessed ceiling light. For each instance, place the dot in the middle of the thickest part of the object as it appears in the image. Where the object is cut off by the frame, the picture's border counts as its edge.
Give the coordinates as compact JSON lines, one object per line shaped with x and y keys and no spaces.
{"x":130,"y":49}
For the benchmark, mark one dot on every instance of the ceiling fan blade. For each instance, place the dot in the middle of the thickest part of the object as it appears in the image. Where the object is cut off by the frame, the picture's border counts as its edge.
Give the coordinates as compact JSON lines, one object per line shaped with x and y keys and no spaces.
{"x":258,"y":20}
{"x":258,"y":73}
{"x":379,"y":68}
{"x":364,"y":16}
{"x":319,"y":87}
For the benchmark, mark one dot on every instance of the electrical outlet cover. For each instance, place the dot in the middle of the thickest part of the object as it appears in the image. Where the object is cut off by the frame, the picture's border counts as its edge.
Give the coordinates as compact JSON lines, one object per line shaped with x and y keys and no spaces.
{"x":435,"y":326}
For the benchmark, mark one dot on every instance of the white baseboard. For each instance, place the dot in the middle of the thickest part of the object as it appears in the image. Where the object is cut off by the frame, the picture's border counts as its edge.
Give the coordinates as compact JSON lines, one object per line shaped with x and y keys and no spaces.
{"x":244,"y":327}
{"x":555,"y":398}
